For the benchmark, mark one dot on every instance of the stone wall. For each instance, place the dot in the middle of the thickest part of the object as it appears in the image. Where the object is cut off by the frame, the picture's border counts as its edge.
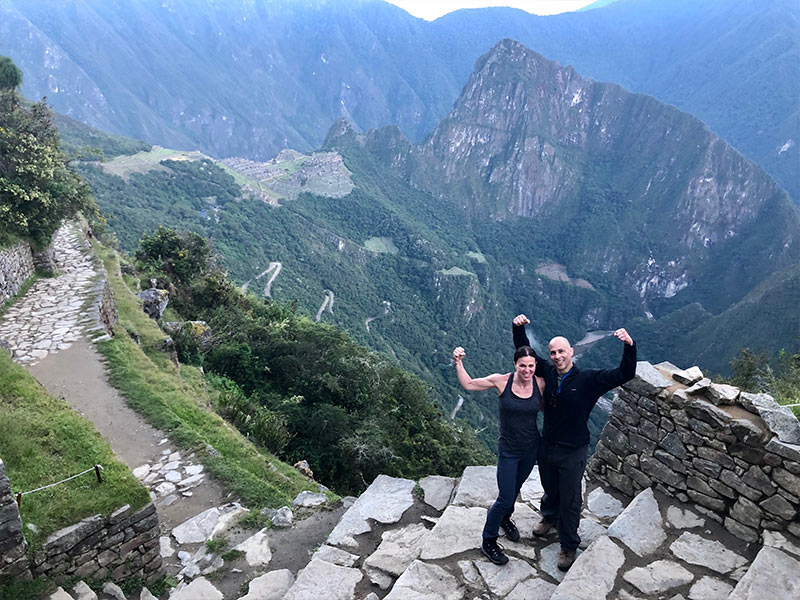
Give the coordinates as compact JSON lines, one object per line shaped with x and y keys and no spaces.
{"x":123,"y":545}
{"x":120,"y":546}
{"x":16,"y":267}
{"x":735,"y":455}
{"x":13,"y":560}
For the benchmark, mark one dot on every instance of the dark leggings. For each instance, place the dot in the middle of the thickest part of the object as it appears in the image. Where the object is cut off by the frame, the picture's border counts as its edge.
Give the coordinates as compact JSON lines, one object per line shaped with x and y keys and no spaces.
{"x":512,"y":471}
{"x":561,"y":469}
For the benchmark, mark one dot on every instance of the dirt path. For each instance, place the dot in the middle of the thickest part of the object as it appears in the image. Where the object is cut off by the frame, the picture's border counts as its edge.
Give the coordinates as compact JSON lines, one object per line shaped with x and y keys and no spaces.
{"x":78,"y":376}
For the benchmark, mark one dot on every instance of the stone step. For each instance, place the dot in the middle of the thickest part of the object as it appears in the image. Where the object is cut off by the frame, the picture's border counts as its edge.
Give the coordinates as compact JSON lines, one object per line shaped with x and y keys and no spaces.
{"x":774,"y":572}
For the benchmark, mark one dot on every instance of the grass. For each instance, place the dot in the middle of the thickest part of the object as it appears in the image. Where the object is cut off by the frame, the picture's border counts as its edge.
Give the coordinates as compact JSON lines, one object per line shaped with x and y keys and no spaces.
{"x":456,"y":271}
{"x":179,"y":401}
{"x":381,"y":244}
{"x":142,"y":162}
{"x":44,"y":440}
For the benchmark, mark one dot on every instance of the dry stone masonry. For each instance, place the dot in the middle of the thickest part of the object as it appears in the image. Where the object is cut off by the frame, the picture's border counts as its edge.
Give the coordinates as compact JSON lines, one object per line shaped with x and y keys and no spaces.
{"x":16,"y":267}
{"x":13,"y":560}
{"x":735,"y":455}
{"x":123,"y":545}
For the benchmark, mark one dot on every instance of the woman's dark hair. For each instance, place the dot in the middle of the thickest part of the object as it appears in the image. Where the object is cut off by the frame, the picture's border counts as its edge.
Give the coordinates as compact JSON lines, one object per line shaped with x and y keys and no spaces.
{"x":523,"y":351}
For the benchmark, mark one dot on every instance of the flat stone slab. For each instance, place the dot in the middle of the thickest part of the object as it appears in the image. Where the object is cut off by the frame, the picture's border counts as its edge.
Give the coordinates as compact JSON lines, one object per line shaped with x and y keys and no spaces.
{"x":438,"y":490}
{"x":321,"y":579}
{"x":593,"y":574}
{"x":501,"y":579}
{"x":708,"y":588}
{"x":532,"y":589}
{"x":384,"y":501}
{"x":603,"y":505}
{"x":335,"y":556}
{"x":697,"y":550}
{"x":458,"y":530}
{"x":398,"y":549}
{"x":256,"y":549}
{"x":422,"y":581}
{"x":639,"y":526}
{"x":532,"y":490}
{"x":307,"y":499}
{"x":200,"y":589}
{"x":270,"y":586}
{"x":478,"y":487}
{"x":773,"y":574}
{"x":589,"y":530}
{"x":658,"y":577}
{"x":682,"y":519}
{"x":648,"y":380}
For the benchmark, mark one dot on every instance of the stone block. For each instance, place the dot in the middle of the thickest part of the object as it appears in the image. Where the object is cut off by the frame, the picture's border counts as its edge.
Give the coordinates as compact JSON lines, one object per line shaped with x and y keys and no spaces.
{"x":780,"y":420}
{"x":688,"y":377}
{"x":673,"y":463}
{"x":648,"y":429}
{"x":622,"y":410}
{"x":706,"y":467}
{"x":701,"y":486}
{"x":788,"y":481}
{"x":648,"y":381}
{"x":661,"y":472}
{"x":620,"y":482}
{"x":722,"y":393}
{"x":714,"y":504}
{"x":68,"y":537}
{"x":749,"y":454}
{"x":641,"y":444}
{"x":699,"y":388}
{"x":784,"y":449}
{"x":756,"y":478}
{"x":672,"y":444}
{"x":748,"y":432}
{"x":720,"y":458}
{"x":780,"y":507}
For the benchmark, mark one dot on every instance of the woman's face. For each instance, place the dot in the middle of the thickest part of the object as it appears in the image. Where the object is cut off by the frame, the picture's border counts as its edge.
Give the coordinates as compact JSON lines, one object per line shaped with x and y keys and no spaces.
{"x":525,"y":366}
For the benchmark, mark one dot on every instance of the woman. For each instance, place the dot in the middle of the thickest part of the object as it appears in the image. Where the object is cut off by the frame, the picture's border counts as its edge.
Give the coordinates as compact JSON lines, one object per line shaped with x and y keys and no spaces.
{"x":520,"y":394}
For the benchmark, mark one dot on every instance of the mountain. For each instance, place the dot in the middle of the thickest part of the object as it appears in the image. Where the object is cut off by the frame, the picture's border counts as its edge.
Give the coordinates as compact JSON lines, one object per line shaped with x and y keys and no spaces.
{"x":251,"y":78}
{"x":583,"y":205}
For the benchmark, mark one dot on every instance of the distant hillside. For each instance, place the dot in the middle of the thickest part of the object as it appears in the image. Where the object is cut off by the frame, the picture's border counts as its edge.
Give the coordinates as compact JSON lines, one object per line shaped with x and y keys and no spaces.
{"x":251,"y":78}
{"x":550,"y":204}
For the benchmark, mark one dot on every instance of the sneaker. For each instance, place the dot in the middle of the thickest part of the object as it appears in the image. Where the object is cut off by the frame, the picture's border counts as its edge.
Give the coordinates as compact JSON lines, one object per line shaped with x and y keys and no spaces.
{"x":542,"y":528}
{"x":493,"y":551}
{"x":510,"y":529}
{"x":565,"y":560}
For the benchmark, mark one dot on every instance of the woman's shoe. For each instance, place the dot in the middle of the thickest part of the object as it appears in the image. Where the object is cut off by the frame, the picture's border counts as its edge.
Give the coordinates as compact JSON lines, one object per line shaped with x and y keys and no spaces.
{"x":510,"y":529}
{"x":493,"y":551}
{"x":542,"y":528}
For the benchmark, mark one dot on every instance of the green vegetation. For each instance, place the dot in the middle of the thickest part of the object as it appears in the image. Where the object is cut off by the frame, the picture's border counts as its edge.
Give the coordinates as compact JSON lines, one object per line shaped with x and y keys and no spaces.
{"x":81,"y":140}
{"x":179,"y":401}
{"x":753,"y":373}
{"x":37,"y":187}
{"x":44,"y":441}
{"x":305,"y":389}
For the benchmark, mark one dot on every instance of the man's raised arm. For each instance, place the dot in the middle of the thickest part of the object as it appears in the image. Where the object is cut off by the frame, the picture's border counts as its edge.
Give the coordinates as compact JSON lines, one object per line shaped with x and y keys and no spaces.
{"x":520,"y":337}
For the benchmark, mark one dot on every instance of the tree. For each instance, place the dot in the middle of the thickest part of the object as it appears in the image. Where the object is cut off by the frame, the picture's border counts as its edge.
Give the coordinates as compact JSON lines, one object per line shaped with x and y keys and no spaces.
{"x":10,"y":75}
{"x":37,"y":187}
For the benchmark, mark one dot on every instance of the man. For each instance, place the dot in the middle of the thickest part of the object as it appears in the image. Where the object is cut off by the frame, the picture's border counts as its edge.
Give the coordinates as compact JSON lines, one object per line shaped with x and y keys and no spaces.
{"x":565,"y":439}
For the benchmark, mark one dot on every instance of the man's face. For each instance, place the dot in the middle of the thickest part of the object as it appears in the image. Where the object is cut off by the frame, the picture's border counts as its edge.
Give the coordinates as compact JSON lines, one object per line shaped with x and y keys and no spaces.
{"x":561,"y":354}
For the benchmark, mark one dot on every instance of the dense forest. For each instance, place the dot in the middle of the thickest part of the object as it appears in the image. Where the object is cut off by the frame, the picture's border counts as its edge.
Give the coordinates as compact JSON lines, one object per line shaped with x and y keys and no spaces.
{"x":303,"y":390}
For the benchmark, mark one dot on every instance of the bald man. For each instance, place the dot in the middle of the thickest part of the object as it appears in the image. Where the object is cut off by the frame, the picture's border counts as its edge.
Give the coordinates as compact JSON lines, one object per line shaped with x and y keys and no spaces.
{"x":565,"y":439}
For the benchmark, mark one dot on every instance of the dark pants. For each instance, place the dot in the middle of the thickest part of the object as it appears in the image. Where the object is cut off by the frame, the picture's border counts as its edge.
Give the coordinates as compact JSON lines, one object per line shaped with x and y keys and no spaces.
{"x":512,"y":471}
{"x":561,"y":469}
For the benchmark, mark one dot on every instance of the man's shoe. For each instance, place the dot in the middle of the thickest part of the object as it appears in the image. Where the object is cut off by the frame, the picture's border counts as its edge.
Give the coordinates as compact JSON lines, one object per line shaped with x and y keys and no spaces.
{"x":510,"y":529}
{"x":565,"y":560}
{"x":494,"y":552}
{"x":542,"y":528}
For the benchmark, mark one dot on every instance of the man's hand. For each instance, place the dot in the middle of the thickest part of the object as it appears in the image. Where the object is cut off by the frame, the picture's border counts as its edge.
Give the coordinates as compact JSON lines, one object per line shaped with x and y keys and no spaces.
{"x":521,"y":320}
{"x":458,"y":354}
{"x":623,"y":336}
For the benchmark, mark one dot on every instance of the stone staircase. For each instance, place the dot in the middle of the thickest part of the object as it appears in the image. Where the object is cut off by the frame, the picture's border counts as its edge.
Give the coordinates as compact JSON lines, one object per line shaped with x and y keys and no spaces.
{"x":403,"y":541}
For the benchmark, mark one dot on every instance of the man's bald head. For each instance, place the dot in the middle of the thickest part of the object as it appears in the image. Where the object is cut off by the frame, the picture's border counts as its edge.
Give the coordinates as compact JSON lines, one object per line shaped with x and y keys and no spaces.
{"x":561,"y":354}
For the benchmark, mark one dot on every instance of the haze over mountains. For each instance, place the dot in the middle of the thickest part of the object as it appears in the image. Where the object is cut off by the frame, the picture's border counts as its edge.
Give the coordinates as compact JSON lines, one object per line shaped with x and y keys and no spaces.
{"x":249,"y":79}
{"x":541,"y":192}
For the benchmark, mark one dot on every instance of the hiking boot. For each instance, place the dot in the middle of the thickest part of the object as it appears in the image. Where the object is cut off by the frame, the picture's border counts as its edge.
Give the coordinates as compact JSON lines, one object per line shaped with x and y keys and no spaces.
{"x":510,"y":529}
{"x":493,"y":551}
{"x":542,"y":528}
{"x":565,"y":560}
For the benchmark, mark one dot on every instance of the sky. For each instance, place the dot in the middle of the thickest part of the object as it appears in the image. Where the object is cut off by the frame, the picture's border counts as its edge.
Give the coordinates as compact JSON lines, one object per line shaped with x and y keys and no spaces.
{"x":433,"y":9}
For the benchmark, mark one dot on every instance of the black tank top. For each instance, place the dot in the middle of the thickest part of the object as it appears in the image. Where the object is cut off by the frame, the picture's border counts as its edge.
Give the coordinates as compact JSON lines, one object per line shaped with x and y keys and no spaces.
{"x":518,"y":431}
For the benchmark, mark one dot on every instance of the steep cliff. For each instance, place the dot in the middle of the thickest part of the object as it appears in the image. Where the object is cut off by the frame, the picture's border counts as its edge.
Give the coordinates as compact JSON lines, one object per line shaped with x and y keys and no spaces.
{"x":623,"y":187}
